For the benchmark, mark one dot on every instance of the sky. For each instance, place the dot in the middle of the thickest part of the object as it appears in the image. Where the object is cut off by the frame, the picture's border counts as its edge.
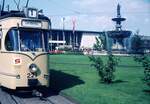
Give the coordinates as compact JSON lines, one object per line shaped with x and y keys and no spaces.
{"x":93,"y":15}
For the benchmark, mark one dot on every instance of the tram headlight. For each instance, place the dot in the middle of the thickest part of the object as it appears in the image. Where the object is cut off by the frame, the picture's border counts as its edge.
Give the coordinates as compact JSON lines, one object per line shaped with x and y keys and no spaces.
{"x":33,"y":68}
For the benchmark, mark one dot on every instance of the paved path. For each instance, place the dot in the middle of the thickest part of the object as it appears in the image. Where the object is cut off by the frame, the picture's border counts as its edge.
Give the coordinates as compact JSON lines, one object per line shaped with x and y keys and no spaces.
{"x":10,"y":98}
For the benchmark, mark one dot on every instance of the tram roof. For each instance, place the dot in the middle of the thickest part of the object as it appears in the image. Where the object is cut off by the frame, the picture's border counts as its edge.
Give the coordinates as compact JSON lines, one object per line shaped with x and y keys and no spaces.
{"x":6,"y":14}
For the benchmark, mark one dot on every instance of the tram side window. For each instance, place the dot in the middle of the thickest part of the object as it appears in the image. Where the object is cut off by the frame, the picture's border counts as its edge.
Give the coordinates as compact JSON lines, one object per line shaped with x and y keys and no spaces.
{"x":0,"y":43}
{"x":11,"y":41}
{"x":8,"y":43}
{"x":0,"y":38}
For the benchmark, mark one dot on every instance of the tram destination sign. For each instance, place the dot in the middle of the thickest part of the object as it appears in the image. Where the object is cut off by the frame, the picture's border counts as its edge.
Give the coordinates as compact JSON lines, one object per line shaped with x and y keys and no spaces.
{"x":32,"y":23}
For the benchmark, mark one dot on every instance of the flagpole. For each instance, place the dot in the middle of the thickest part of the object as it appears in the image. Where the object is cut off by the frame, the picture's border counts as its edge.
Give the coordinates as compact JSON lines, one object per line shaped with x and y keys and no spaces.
{"x":63,"y":30}
{"x":73,"y":44}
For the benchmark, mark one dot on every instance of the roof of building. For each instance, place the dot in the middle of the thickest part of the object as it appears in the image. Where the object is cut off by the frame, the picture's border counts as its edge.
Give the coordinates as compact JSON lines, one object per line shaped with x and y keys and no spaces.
{"x":145,"y":37}
{"x":82,"y":31}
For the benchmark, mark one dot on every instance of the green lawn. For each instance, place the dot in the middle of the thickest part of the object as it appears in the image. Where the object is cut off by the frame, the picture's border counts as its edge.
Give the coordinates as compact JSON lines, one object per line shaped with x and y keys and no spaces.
{"x":73,"y":75}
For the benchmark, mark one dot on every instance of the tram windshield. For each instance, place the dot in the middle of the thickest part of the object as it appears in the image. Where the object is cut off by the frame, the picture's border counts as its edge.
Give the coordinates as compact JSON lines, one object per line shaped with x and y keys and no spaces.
{"x":27,"y":40}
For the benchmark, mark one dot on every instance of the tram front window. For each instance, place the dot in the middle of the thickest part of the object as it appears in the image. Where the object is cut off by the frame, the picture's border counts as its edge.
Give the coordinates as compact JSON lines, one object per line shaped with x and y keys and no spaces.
{"x":33,"y":40}
{"x":27,"y":40}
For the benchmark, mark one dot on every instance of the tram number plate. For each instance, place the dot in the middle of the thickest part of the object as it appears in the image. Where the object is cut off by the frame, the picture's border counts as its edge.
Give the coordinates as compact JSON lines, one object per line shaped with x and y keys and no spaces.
{"x":30,"y":75}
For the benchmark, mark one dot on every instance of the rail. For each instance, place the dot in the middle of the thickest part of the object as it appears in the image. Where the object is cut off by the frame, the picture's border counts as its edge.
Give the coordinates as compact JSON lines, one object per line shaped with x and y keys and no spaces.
{"x":8,"y":97}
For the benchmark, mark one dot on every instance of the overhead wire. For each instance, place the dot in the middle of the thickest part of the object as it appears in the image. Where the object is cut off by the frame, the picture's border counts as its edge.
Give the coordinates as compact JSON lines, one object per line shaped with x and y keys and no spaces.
{"x":27,"y":3}
{"x":17,"y":4}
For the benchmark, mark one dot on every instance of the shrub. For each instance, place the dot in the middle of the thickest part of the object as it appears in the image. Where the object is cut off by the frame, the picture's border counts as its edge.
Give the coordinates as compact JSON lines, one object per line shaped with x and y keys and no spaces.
{"x":105,"y":71}
{"x":146,"y":65}
{"x":98,"y":64}
{"x":76,"y":52}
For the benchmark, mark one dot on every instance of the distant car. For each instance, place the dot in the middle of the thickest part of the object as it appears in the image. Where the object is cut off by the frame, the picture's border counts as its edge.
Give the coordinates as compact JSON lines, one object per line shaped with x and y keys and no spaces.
{"x":56,"y":52}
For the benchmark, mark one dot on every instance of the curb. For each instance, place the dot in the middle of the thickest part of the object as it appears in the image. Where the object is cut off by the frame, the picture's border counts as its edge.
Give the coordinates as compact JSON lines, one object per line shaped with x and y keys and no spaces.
{"x":69,"y":98}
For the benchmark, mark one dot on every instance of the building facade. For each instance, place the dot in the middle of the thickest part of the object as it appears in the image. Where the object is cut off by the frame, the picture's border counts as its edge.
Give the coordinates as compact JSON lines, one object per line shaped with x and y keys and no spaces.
{"x":68,"y":38}
{"x":87,"y":39}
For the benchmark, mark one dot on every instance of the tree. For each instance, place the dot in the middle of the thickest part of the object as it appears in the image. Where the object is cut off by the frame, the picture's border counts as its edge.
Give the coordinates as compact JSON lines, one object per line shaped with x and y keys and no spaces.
{"x":100,"y":43}
{"x":105,"y":71}
{"x":136,"y":43}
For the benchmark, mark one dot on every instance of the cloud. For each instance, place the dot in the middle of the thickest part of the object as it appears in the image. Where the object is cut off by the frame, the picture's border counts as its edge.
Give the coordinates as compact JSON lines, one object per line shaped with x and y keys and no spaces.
{"x":96,"y":15}
{"x":85,"y":3}
{"x":110,"y":5}
{"x":135,"y":11}
{"x":90,"y":22}
{"x":147,"y":20}
{"x":85,"y":22}
{"x":94,"y":5}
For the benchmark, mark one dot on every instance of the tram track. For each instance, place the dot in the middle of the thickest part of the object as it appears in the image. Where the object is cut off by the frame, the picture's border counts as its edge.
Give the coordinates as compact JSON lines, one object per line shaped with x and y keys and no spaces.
{"x":5,"y":98}
{"x":17,"y":100}
{"x":58,"y":99}
{"x":10,"y":98}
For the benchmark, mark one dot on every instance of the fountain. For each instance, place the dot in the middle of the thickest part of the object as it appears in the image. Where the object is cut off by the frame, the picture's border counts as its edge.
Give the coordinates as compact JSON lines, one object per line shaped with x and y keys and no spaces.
{"x":118,"y":35}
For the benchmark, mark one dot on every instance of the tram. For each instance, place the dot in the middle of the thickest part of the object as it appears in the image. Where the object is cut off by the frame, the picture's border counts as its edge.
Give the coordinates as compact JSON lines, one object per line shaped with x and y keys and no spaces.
{"x":24,"y":48}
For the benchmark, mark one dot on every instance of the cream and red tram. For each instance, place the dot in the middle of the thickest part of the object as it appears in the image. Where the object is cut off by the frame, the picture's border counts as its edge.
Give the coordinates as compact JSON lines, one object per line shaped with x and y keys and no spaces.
{"x":23,"y":49}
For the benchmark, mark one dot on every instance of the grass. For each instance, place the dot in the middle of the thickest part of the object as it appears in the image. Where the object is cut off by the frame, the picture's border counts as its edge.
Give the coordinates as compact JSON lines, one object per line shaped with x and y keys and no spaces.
{"x":73,"y":75}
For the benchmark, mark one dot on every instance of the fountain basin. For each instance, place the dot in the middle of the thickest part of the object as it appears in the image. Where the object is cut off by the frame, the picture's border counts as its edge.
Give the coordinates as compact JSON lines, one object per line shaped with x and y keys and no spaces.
{"x":119,"y":34}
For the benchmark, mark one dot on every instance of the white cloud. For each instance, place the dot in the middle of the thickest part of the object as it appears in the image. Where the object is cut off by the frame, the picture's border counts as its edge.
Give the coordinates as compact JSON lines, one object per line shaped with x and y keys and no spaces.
{"x":84,"y":3}
{"x":90,"y":22}
{"x":147,"y":20}
{"x":136,"y":11}
{"x":94,"y":5}
{"x":110,"y":5}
